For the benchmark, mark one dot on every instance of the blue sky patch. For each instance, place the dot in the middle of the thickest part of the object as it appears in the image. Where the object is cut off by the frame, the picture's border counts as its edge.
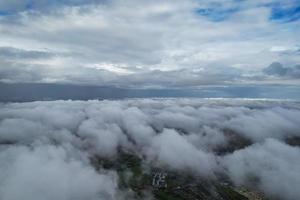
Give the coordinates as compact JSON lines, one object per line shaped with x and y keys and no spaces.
{"x":5,"y":13}
{"x":285,"y":14}
{"x":216,"y":14}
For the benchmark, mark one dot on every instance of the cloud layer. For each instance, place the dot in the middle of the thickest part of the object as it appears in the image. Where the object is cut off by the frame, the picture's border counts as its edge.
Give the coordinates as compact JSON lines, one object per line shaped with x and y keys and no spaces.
{"x":46,"y":147}
{"x":147,"y":43}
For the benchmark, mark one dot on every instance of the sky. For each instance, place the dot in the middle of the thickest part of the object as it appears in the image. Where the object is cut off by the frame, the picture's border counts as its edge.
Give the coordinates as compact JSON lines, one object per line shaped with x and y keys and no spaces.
{"x":150,"y":44}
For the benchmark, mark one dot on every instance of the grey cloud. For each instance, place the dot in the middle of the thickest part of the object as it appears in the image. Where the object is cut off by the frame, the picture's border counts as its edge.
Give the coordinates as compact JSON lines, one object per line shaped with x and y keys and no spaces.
{"x":160,"y":43}
{"x":16,"y":54}
{"x":181,"y":77}
{"x":294,"y":71}
{"x":13,"y":71}
{"x":100,"y":38}
{"x":277,"y":69}
{"x":16,"y":72}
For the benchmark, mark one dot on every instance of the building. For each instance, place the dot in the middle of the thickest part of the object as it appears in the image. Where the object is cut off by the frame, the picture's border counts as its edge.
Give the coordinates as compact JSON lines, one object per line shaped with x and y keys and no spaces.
{"x":159,"y":180}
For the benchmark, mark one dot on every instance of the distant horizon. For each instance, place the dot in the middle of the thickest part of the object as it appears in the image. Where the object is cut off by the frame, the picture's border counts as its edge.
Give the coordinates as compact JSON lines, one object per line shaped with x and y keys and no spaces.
{"x":23,"y":92}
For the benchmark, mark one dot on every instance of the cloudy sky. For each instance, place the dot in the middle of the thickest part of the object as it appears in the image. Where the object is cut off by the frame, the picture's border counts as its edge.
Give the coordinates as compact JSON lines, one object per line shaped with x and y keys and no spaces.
{"x":147,"y":43}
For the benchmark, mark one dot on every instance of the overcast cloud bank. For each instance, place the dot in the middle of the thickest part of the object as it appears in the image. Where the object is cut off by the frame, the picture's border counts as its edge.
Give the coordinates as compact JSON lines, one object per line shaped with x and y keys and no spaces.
{"x":46,"y":146}
{"x":167,"y":43}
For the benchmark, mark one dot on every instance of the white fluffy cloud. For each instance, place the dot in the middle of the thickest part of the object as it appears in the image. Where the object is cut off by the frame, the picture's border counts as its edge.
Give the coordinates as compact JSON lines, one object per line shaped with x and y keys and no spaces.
{"x":47,"y":172}
{"x":169,"y":146}
{"x":46,"y":146}
{"x":273,"y":164}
